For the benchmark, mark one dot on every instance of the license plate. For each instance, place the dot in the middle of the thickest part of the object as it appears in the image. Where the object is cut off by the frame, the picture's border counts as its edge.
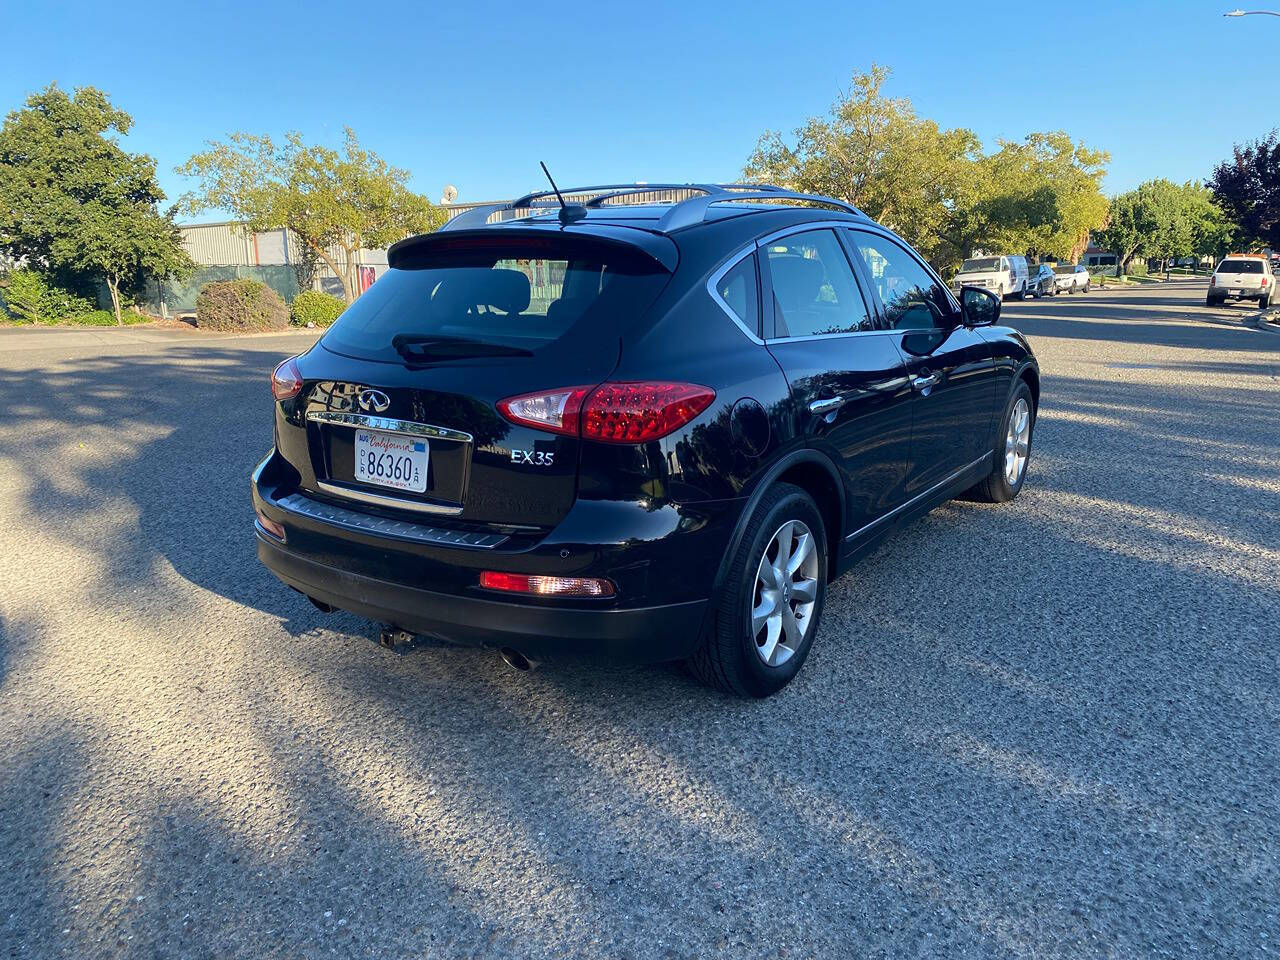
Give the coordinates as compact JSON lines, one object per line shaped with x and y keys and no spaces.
{"x":391,"y":460}
{"x":1234,"y":293}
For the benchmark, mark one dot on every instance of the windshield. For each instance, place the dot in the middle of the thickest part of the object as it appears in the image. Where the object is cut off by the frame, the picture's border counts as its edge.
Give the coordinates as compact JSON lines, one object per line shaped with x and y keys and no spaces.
{"x":1240,"y":266}
{"x":983,"y":263}
{"x":504,"y":299}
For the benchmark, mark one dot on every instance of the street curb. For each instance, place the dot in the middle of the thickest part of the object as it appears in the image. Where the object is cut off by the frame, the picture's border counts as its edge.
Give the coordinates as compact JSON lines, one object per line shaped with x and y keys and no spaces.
{"x":1266,"y":320}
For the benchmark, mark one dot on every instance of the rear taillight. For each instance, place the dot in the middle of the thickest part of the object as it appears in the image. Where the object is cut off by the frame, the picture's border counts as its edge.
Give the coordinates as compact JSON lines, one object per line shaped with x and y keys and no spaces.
{"x":635,"y":412}
{"x":286,"y":381}
{"x":546,"y":586}
{"x":1264,"y":281}
{"x":554,"y":410}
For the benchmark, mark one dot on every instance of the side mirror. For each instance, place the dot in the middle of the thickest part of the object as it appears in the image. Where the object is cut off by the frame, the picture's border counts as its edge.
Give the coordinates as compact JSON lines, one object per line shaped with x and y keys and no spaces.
{"x":979,"y":307}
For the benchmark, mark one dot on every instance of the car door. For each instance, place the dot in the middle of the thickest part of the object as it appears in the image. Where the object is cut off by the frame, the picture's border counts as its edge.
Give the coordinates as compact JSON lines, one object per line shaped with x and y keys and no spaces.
{"x":848,"y":380}
{"x":951,"y":367}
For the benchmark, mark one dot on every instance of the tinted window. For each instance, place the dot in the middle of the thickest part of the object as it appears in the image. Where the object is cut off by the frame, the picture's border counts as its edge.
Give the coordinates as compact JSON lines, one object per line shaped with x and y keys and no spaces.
{"x":813,"y":287}
{"x":1240,"y":266}
{"x":518,"y":294}
{"x":738,"y":289}
{"x":912,"y":298}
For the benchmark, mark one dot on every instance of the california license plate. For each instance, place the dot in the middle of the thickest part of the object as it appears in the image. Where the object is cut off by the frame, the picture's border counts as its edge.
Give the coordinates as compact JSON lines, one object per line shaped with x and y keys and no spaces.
{"x":391,"y":460}
{"x":1234,"y":293}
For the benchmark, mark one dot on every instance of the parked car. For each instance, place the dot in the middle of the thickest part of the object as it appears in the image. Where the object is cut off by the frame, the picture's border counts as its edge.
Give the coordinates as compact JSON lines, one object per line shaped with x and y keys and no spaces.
{"x":635,"y":431}
{"x":1041,"y":281}
{"x":1241,"y":276}
{"x":1005,"y":276}
{"x":1071,"y":277}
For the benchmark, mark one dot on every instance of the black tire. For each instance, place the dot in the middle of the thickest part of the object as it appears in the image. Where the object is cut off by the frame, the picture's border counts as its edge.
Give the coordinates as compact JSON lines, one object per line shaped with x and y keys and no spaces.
{"x":1086,"y":287}
{"x":995,"y":487}
{"x":1264,"y":302}
{"x":727,"y":655}
{"x":1212,"y":301}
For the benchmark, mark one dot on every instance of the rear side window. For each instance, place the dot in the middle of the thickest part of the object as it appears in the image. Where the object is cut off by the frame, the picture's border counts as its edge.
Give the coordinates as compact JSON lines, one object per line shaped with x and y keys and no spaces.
{"x":737,"y":288}
{"x":1241,"y":266}
{"x":505,"y":293}
{"x":814,"y":291}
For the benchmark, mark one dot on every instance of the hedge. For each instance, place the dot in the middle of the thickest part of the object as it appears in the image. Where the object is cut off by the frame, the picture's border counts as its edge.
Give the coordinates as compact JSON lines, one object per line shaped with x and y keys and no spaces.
{"x":315,"y":306}
{"x":240,"y":304}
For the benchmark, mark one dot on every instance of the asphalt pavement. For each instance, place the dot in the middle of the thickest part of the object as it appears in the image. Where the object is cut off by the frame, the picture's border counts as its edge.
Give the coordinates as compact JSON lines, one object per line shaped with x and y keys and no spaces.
{"x":1044,"y":729}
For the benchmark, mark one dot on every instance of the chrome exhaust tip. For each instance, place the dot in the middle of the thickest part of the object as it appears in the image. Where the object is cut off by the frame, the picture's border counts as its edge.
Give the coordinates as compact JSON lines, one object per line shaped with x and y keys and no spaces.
{"x":516,"y":659}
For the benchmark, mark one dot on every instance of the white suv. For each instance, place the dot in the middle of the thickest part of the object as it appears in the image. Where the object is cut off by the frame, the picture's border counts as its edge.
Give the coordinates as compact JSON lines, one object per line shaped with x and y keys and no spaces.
{"x":1241,"y":276}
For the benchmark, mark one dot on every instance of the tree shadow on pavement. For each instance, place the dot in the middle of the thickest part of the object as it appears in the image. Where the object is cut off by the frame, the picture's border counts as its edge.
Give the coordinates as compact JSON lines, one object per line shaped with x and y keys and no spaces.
{"x":1040,"y":729}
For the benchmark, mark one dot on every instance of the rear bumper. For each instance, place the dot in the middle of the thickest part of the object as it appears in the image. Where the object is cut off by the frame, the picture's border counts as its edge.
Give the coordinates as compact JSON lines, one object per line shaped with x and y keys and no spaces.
{"x":425,"y":578}
{"x":641,"y":635}
{"x":1238,"y":293}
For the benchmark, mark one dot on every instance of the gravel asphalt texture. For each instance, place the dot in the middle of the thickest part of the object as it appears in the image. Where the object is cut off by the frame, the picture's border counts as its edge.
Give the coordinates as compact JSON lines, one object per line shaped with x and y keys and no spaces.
{"x":1045,"y":729}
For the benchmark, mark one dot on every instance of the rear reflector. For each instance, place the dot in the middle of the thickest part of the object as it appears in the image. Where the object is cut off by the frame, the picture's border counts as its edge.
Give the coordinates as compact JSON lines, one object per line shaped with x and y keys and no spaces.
{"x":271,"y":527}
{"x":546,"y":586}
{"x":286,"y":381}
{"x":632,"y":412}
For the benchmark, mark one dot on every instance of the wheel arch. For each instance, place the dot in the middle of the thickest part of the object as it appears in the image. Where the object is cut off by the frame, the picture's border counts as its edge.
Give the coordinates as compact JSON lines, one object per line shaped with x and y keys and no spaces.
{"x":1031,"y":375}
{"x":813,"y":472}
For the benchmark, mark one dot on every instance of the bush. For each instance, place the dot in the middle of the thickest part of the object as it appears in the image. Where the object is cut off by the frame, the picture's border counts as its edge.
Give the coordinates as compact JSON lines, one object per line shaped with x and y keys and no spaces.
{"x":241,"y":304}
{"x":314,"y":306}
{"x":104,"y":318}
{"x":29,"y":297}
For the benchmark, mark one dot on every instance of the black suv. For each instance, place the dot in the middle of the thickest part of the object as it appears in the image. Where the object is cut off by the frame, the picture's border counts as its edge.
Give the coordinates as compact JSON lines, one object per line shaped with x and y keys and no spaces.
{"x":641,"y":430}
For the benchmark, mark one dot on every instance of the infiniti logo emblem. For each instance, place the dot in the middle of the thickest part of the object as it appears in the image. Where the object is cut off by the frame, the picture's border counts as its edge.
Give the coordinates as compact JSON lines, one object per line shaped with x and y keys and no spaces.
{"x":374,"y":400}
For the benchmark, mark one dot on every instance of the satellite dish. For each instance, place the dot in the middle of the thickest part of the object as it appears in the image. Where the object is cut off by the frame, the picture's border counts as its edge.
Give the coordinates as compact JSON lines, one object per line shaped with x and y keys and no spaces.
{"x":450,"y":193}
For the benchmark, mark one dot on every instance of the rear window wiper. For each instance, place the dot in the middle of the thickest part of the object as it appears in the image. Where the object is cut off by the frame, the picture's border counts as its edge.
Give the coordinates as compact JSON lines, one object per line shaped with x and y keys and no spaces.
{"x":425,"y":348}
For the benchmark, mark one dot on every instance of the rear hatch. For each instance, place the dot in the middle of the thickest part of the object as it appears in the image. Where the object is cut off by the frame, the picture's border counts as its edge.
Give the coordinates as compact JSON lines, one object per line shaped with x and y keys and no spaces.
{"x":1241,"y":274}
{"x":398,"y":411}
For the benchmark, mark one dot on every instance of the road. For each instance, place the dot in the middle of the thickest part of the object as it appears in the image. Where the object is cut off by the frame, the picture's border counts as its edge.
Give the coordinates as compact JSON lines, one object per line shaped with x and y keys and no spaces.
{"x":1046,"y":729}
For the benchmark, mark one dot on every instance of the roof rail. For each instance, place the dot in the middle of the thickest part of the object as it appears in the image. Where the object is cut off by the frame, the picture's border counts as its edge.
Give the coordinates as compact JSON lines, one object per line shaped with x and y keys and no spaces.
{"x":683,"y":213}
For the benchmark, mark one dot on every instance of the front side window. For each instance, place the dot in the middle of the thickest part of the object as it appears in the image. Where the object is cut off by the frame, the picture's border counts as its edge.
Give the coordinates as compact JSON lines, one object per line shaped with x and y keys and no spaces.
{"x":814,"y":291}
{"x":912,"y":298}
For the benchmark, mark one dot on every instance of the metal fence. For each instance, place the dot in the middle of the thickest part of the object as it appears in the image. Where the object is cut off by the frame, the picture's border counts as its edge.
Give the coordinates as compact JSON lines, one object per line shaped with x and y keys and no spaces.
{"x":175,"y":299}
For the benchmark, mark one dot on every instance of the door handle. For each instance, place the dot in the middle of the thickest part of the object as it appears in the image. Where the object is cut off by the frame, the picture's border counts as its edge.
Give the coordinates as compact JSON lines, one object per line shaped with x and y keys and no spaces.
{"x":924,"y":383}
{"x":829,"y":405}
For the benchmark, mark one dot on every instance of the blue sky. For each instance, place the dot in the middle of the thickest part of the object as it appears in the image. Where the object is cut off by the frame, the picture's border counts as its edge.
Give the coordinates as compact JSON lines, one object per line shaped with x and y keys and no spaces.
{"x":476,"y":93}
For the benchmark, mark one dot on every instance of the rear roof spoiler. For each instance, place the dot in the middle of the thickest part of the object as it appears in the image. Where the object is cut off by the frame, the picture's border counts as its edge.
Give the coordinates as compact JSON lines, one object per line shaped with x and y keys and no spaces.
{"x":657,"y":248}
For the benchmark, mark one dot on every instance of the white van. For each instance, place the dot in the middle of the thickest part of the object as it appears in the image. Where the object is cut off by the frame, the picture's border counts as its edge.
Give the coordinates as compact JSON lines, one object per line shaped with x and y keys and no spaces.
{"x":1006,"y":275}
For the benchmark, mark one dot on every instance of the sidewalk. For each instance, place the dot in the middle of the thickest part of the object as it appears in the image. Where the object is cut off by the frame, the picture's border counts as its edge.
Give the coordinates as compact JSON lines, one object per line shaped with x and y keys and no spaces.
{"x":18,"y":338}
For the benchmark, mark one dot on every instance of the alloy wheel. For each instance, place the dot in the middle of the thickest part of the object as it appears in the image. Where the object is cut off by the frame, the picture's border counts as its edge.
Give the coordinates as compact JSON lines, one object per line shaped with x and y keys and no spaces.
{"x":1017,"y":443}
{"x":785,"y":592}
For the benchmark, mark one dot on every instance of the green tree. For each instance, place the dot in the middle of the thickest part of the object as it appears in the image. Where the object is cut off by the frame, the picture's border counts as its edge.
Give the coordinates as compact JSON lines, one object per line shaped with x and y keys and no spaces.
{"x":1162,"y":219}
{"x":73,"y":201}
{"x":1211,"y":231}
{"x":936,"y":187}
{"x":349,"y":200}
{"x":874,"y":152}
{"x":1043,"y":196}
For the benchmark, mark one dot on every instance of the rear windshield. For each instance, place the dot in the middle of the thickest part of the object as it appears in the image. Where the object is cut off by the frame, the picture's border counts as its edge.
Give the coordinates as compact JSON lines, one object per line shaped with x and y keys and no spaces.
{"x":1240,"y":266}
{"x":510,"y":294}
{"x":1065,"y":268}
{"x":984,"y":263}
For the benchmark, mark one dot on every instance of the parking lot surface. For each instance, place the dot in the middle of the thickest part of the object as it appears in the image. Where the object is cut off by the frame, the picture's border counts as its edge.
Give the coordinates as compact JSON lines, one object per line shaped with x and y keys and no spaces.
{"x":1045,"y":729}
